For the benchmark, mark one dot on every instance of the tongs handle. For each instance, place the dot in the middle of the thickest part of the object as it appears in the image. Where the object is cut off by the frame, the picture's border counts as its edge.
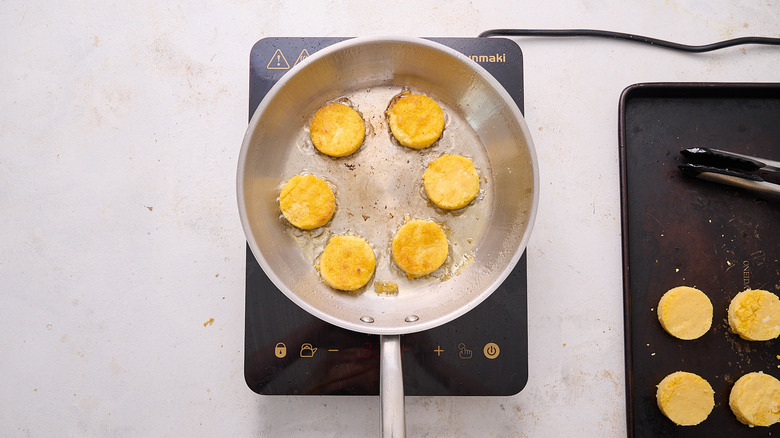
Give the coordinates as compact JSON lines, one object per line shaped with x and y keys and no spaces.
{"x":698,"y":169}
{"x":731,"y":160}
{"x":732,"y":178}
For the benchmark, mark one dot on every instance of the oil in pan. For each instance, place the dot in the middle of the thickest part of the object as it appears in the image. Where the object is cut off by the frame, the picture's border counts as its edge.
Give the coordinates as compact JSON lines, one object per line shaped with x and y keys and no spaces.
{"x":379,"y":187}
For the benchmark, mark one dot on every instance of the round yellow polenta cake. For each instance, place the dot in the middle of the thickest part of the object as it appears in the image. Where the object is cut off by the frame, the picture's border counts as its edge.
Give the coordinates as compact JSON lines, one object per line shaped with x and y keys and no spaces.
{"x":755,"y":399}
{"x":685,"y":398}
{"x":419,"y":248}
{"x":347,"y":263}
{"x":416,"y":120}
{"x":337,"y":130}
{"x":685,"y":312}
{"x":755,"y":315}
{"x":451,"y":182}
{"x":307,"y":202}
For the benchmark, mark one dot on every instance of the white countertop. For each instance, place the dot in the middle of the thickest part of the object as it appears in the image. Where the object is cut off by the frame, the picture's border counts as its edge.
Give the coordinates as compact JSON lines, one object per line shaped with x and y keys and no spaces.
{"x":119,"y":135}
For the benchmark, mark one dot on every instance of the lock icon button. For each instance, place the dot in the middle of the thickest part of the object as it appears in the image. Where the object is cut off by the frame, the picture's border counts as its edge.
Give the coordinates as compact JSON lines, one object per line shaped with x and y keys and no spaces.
{"x":280,"y":350}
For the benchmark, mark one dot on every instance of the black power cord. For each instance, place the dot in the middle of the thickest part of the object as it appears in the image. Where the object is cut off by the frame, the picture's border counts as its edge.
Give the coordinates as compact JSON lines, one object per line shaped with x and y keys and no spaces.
{"x":593,"y":33}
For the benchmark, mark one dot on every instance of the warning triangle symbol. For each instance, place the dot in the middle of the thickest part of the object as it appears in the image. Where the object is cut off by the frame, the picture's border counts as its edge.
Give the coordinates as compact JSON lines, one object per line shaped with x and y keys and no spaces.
{"x":304,"y":54}
{"x":278,"y":61}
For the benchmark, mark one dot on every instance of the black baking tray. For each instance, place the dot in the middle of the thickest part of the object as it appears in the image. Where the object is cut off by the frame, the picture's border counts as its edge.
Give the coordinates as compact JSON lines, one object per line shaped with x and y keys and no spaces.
{"x":678,"y":230}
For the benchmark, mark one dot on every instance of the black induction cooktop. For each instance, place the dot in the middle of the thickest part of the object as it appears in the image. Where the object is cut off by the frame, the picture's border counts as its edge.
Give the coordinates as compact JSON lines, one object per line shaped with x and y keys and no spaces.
{"x":290,"y":352}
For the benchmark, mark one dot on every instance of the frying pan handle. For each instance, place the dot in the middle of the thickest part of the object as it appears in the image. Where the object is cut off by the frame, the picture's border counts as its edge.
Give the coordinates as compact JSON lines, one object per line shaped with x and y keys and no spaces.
{"x":391,"y":387}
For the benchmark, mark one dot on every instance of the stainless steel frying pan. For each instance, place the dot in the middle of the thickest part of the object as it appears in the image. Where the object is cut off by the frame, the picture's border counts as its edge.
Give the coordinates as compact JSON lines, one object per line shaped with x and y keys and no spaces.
{"x":379,"y":187}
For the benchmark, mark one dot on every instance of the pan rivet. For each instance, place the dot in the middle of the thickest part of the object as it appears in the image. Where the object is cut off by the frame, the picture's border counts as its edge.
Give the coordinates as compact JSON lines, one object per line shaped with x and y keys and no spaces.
{"x":367,"y":319}
{"x":412,"y":318}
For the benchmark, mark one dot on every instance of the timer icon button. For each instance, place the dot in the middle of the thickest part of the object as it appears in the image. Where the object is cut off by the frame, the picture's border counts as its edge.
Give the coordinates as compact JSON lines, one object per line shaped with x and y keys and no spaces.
{"x":491,"y":350}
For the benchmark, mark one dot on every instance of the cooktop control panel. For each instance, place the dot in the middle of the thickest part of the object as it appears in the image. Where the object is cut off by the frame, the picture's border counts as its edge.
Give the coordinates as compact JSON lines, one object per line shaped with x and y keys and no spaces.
{"x":290,"y":352}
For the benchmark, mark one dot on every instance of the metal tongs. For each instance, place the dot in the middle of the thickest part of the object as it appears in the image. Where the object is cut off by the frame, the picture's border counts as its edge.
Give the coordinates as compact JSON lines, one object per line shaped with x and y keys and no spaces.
{"x":732,"y":169}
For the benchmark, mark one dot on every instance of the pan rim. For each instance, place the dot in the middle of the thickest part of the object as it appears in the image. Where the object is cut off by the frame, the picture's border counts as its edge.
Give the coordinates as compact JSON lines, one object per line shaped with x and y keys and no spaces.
{"x":356,"y":325}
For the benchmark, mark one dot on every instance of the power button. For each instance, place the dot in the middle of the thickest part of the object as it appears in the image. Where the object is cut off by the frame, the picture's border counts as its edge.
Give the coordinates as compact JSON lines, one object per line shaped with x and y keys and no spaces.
{"x":491,"y":350}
